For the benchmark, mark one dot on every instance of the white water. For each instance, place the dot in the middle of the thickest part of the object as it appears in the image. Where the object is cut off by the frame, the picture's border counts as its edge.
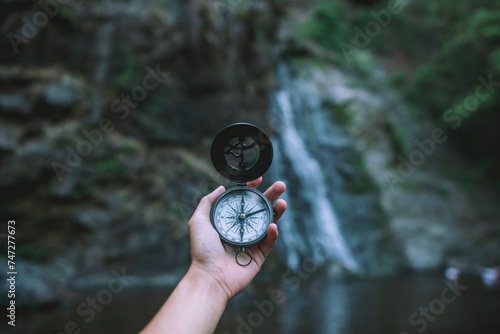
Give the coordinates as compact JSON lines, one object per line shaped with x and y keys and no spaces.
{"x":323,"y":232}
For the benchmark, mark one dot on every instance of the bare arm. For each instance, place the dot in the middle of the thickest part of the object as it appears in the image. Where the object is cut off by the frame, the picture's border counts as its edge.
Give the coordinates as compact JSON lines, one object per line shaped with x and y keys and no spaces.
{"x":214,"y":277}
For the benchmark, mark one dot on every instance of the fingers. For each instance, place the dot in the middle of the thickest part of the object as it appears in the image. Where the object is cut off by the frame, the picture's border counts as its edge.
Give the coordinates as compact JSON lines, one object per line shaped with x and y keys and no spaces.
{"x":275,"y":191}
{"x":279,"y":208}
{"x":268,"y":244}
{"x":272,"y":231}
{"x":255,"y":183}
{"x":207,"y":201}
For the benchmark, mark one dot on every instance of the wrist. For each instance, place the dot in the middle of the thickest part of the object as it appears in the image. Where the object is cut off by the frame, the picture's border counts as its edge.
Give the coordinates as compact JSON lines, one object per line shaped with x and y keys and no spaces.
{"x":199,"y":278}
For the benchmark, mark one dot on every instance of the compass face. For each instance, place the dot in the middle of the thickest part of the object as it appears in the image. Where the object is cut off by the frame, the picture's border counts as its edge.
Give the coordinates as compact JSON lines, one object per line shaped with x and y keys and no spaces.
{"x":241,"y":216}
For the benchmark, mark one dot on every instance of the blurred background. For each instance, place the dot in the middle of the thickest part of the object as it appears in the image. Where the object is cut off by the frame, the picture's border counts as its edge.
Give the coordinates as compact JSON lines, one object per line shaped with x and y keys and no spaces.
{"x":384,"y":117}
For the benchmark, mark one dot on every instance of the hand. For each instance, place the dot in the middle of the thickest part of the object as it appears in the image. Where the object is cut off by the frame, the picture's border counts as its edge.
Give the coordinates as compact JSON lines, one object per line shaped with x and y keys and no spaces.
{"x":214,"y":260}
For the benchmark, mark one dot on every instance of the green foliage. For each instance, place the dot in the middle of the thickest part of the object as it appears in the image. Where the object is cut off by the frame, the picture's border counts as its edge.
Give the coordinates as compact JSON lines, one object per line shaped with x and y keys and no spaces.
{"x":84,"y":190}
{"x":327,"y":26}
{"x":99,"y":173}
{"x":442,"y":191}
{"x":398,"y":139}
{"x":361,"y":182}
{"x":69,"y":16}
{"x":110,"y":166}
{"x":397,"y":78}
{"x":30,"y":251}
{"x":470,"y":177}
{"x":440,"y":49}
{"x":362,"y":185}
{"x":129,"y":73}
{"x":67,"y":139}
{"x":467,"y":45}
{"x":130,"y":146}
{"x":339,"y":113}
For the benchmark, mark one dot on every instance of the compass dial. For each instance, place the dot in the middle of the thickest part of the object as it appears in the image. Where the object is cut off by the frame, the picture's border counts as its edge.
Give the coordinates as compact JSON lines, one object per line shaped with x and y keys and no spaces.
{"x":241,"y":216}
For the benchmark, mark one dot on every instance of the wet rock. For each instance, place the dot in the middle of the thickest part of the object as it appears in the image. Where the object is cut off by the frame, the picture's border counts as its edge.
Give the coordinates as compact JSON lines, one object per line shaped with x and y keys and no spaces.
{"x":38,"y":284}
{"x":59,"y":95}
{"x":16,"y":103}
{"x":128,"y":195}
{"x":93,"y":218}
{"x":9,"y":135}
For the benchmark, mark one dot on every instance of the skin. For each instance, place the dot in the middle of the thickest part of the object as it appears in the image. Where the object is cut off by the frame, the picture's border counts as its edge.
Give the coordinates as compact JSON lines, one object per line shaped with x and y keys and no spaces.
{"x":198,"y":301}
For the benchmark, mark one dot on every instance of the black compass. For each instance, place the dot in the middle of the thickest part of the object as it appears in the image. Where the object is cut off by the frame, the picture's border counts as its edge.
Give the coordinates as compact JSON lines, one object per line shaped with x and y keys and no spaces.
{"x":241,"y":153}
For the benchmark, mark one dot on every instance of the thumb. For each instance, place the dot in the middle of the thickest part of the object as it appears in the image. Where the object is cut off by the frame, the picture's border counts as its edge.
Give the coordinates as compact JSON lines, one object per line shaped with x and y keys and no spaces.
{"x":206,"y":202}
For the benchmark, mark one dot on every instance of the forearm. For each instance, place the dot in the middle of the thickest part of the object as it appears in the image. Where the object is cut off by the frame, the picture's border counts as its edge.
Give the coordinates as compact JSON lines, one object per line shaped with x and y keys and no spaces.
{"x":195,"y":306}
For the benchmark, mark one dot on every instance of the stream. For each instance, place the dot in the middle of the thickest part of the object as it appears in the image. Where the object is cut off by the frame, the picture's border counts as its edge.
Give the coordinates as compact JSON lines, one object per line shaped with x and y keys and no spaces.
{"x":317,"y":305}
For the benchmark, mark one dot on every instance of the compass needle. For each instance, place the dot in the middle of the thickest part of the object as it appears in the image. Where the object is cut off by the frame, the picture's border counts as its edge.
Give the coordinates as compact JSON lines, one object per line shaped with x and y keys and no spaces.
{"x":242,"y":231}
{"x":254,"y":213}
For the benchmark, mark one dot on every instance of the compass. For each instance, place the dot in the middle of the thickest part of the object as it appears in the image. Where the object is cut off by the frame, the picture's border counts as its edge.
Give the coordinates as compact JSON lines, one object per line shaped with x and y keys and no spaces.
{"x":242,"y":152}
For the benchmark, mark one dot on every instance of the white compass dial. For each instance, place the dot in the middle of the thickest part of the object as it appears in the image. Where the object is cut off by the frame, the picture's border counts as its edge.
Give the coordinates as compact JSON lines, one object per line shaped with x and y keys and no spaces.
{"x":242,"y":216}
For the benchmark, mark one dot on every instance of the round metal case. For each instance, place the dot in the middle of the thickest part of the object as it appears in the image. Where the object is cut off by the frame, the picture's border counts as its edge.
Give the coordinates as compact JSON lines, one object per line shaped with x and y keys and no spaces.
{"x":241,"y":153}
{"x":229,"y":216}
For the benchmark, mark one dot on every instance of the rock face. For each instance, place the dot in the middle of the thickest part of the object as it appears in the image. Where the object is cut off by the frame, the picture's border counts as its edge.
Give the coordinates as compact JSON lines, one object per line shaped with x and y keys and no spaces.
{"x":107,"y":112}
{"x":104,"y":111}
{"x":434,"y":222}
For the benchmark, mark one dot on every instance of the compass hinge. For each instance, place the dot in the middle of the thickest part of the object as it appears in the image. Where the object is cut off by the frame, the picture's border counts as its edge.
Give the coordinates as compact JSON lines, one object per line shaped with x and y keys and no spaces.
{"x":241,"y":184}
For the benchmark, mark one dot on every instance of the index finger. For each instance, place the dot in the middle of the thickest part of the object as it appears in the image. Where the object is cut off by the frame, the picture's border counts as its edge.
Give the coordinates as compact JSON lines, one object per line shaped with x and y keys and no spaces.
{"x":275,"y":191}
{"x":255,"y":183}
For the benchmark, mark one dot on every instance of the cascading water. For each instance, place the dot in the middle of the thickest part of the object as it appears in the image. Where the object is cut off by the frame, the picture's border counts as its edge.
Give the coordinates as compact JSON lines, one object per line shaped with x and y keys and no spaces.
{"x":311,"y":227}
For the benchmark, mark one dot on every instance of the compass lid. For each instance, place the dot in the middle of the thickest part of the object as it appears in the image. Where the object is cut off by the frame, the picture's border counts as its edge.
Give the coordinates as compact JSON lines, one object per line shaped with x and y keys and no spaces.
{"x":242,"y":152}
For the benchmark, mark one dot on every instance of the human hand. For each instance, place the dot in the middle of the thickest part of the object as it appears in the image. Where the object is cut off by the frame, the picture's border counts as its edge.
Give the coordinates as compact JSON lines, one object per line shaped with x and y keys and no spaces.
{"x":216,"y":261}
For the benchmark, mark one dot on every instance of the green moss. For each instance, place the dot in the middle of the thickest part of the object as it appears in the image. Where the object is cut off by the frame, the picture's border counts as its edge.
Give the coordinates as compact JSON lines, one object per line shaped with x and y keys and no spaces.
{"x":363,"y":62}
{"x":84,"y":190}
{"x":67,"y":139}
{"x":244,"y":10}
{"x":361,"y":185}
{"x":69,"y":16}
{"x":326,"y":26}
{"x":160,"y":5}
{"x":156,"y":106}
{"x":381,"y":217}
{"x":397,"y":136}
{"x":473,"y":175}
{"x":442,"y":191}
{"x":340,"y":113}
{"x":398,"y":79}
{"x":130,"y":146}
{"x":101,"y":172}
{"x":111,"y":167}
{"x":356,"y":162}
{"x":129,"y":73}
{"x":30,"y":251}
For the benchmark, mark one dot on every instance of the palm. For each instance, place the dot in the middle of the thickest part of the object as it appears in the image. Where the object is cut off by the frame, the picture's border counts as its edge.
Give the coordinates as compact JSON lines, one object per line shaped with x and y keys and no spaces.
{"x":217,"y":259}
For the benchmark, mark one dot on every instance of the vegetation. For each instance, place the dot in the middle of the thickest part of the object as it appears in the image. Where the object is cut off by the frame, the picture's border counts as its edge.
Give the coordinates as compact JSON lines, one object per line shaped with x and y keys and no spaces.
{"x":437,"y":51}
{"x":30,"y":251}
{"x":327,"y":25}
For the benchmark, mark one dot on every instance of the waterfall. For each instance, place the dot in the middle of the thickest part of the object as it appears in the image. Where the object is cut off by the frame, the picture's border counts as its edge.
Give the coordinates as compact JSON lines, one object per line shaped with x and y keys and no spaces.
{"x":311,"y":227}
